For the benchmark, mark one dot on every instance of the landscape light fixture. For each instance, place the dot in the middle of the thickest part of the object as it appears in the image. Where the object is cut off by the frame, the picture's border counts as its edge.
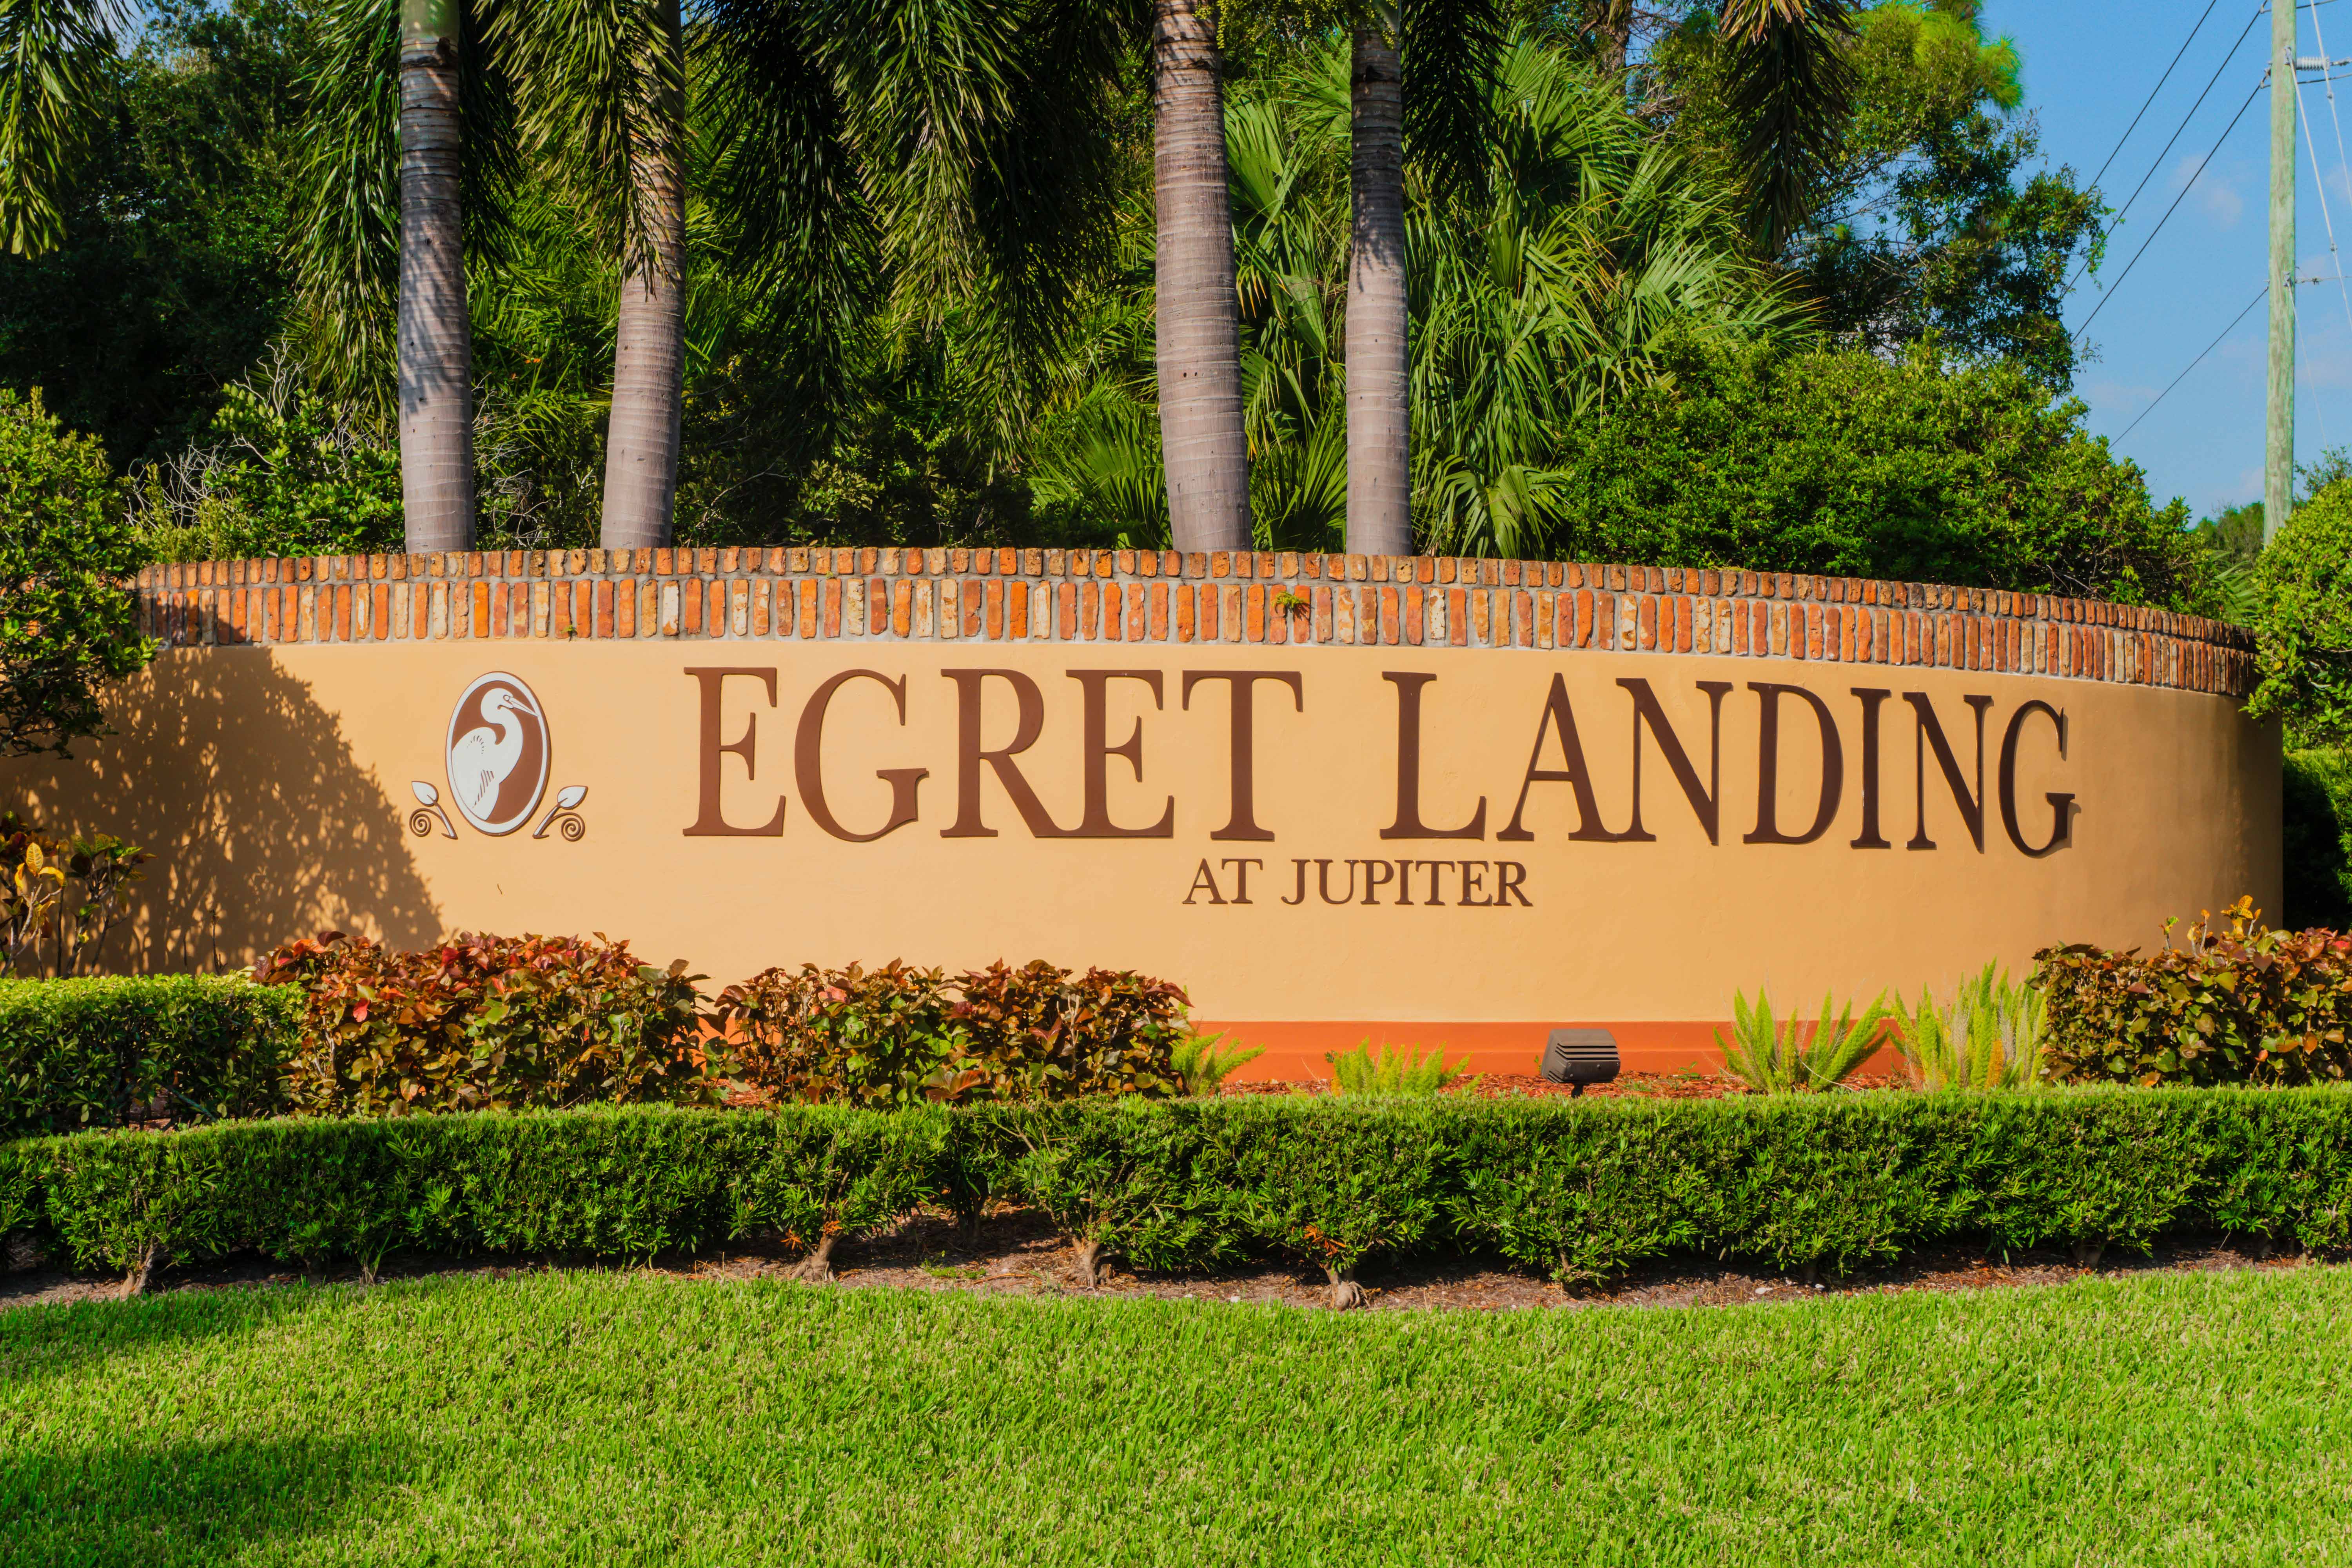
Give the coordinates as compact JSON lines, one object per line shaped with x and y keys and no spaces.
{"x":1578,"y":1056}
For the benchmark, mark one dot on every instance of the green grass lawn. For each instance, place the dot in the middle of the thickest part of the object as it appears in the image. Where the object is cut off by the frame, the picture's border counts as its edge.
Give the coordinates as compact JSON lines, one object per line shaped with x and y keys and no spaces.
{"x":600,"y":1419}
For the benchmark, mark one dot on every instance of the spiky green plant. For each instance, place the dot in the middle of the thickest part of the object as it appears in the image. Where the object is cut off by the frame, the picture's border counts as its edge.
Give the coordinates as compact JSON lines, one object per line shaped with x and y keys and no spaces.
{"x":1791,"y":1057}
{"x":1392,"y":1069}
{"x":1989,"y":1036}
{"x":1203,"y":1061}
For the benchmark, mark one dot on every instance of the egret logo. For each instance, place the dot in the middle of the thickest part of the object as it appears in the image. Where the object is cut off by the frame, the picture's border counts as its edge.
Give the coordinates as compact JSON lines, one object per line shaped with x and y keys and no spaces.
{"x":498,"y":755}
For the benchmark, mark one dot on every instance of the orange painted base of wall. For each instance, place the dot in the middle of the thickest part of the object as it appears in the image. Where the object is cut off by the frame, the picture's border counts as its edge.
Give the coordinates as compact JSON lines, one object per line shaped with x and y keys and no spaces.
{"x":1294,"y":1049}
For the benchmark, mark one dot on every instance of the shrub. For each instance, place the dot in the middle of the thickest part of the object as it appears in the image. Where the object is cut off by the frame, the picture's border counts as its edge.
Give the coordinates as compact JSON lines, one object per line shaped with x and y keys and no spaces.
{"x":108,"y":1052}
{"x":2303,"y":583}
{"x":1787,"y":1058}
{"x":1853,"y":464}
{"x":1332,"y":1182}
{"x":486,"y":1023}
{"x":1391,"y":1070}
{"x":2317,"y":818}
{"x":1036,"y":1032}
{"x":1580,"y":1189}
{"x":893,"y":1036}
{"x":66,"y":558}
{"x":830,"y":1172}
{"x":1203,"y":1062}
{"x":61,"y":897}
{"x":1989,"y":1035}
{"x":850,"y":1036}
{"x":2244,"y":1004}
{"x":1119,"y":1177}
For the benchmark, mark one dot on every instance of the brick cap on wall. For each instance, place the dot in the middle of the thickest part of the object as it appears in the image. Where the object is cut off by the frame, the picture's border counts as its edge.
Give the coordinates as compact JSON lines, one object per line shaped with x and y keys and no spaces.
{"x":1163,"y":597}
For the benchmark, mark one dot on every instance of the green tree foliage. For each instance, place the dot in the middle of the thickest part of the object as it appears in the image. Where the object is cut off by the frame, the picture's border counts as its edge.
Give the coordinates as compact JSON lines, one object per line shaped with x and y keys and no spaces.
{"x":281,"y":471}
{"x":66,"y":554}
{"x":2303,"y":583}
{"x":1923,"y":218}
{"x":1841,"y":462}
{"x":169,"y":279}
{"x":2316,"y":820}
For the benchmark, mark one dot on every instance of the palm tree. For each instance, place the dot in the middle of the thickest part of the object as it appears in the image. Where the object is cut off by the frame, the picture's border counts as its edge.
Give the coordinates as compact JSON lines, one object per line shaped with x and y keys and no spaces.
{"x":1431,"y":97}
{"x":601,"y":90}
{"x":1202,"y":438}
{"x":1790,"y":81}
{"x":412,"y":148}
{"x":54,"y":57}
{"x":1542,"y":288}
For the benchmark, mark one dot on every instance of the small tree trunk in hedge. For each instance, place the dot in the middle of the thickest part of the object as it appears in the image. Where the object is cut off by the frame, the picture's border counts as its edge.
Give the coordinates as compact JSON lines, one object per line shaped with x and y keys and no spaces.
{"x":143,"y":1270}
{"x":1089,"y":1253}
{"x":1808,"y":1274}
{"x":2259,"y":1249}
{"x":1346,"y":1294}
{"x":2086,"y":1254}
{"x":817,"y":1267}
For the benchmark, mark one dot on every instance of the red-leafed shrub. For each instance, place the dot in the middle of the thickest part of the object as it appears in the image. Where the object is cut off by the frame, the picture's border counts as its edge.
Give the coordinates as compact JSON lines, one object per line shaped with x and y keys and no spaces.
{"x":1038,"y":1033}
{"x":850,"y":1037}
{"x":487,"y":1022}
{"x":898,"y":1035}
{"x":2242,"y":1005}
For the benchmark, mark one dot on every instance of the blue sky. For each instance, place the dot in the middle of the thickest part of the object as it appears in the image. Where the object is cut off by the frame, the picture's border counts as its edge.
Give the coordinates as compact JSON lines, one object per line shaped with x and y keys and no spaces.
{"x":2089,"y":65}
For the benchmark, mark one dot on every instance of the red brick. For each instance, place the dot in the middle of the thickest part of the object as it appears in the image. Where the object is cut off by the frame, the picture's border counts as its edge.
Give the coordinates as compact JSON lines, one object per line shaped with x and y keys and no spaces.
{"x":1159,"y":605}
{"x":379,"y":621}
{"x":1254,"y":626}
{"x":1414,"y":608}
{"x":1016,"y":612}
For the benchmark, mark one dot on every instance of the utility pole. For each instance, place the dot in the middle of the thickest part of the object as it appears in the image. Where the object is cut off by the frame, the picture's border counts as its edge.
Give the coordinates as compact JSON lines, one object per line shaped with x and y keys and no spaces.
{"x":2278,"y":448}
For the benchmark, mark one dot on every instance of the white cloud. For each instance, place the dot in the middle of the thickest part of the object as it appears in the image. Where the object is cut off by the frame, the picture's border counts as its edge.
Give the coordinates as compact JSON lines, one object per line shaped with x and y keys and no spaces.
{"x":2217,"y":195}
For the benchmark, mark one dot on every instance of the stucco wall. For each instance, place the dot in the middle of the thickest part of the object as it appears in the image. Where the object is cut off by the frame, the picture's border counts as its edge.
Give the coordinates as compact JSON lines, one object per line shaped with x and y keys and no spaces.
{"x":273,"y":760}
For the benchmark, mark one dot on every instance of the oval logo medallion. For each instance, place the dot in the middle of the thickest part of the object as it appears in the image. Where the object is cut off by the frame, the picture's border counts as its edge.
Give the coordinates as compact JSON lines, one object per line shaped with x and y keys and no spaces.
{"x":497,"y":753}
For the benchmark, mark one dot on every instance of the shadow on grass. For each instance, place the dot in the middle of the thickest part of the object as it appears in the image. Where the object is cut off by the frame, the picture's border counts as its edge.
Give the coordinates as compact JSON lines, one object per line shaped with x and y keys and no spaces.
{"x":42,"y":1343}
{"x":196,"y":1502}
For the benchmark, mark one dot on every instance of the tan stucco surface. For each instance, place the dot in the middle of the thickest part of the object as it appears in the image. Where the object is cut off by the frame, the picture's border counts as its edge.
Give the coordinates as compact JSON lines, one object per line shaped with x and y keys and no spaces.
{"x":276,"y":785}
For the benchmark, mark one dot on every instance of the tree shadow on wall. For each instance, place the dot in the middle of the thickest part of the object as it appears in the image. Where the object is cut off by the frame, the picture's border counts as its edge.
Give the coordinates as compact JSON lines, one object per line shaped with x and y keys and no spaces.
{"x":263,"y":825}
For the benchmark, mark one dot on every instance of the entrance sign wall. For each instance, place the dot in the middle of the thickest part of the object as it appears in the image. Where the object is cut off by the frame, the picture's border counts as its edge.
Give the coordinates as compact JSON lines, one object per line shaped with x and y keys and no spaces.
{"x":1425,"y":800}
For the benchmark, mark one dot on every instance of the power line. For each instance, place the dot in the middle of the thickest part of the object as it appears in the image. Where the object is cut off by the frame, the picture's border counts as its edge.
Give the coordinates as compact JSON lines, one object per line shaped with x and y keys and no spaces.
{"x":2260,"y":11}
{"x":2202,"y":165}
{"x":2216,"y":343}
{"x":2156,"y":88}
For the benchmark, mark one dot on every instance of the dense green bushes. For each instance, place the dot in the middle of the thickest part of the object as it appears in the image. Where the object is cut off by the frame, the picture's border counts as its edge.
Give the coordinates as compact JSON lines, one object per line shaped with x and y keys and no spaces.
{"x":104,"y":1052}
{"x":1578,"y":1190}
{"x":2243,"y":1005}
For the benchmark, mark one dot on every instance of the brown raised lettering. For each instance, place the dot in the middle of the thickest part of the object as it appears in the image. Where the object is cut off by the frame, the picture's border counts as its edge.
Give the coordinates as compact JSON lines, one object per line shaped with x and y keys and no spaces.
{"x":1557,"y":716}
{"x":1929,"y":733}
{"x":1869,"y":839}
{"x":1646,"y":711}
{"x":1408,"y":823}
{"x":808,"y":760}
{"x":1768,"y":766}
{"x":709,"y":820}
{"x":2061,"y":806}
{"x":1241,"y":821}
{"x":1096,"y":823}
{"x":1030,"y":719}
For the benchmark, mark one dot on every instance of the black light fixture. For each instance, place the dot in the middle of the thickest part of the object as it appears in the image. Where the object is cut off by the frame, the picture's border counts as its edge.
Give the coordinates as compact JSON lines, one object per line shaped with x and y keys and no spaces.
{"x":1578,"y":1056}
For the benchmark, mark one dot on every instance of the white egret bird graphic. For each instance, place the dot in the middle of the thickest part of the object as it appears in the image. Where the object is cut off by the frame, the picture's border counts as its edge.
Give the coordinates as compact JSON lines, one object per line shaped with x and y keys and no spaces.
{"x":481,"y":758}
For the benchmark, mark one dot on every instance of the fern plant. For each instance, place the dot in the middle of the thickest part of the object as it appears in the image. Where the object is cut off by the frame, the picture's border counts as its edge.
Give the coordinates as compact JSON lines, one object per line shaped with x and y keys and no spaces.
{"x":1389,"y":1069}
{"x":1791,"y":1057}
{"x":1989,"y":1036}
{"x":1205,"y":1061}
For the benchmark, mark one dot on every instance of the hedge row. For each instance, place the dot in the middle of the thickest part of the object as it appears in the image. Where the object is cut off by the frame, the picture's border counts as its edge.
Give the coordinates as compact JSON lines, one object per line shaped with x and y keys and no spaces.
{"x":108,"y":1052}
{"x":1576,"y":1190}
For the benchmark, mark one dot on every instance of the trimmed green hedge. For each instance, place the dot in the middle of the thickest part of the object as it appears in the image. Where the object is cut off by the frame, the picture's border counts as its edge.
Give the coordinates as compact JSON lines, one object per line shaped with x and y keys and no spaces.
{"x":104,"y":1052}
{"x":1577,"y":1189}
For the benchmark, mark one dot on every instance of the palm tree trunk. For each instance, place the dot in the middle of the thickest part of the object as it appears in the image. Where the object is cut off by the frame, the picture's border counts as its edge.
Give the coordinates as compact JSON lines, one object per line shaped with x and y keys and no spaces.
{"x":436,"y":358}
{"x":1380,"y":372}
{"x":650,"y":339}
{"x":1203,"y":444}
